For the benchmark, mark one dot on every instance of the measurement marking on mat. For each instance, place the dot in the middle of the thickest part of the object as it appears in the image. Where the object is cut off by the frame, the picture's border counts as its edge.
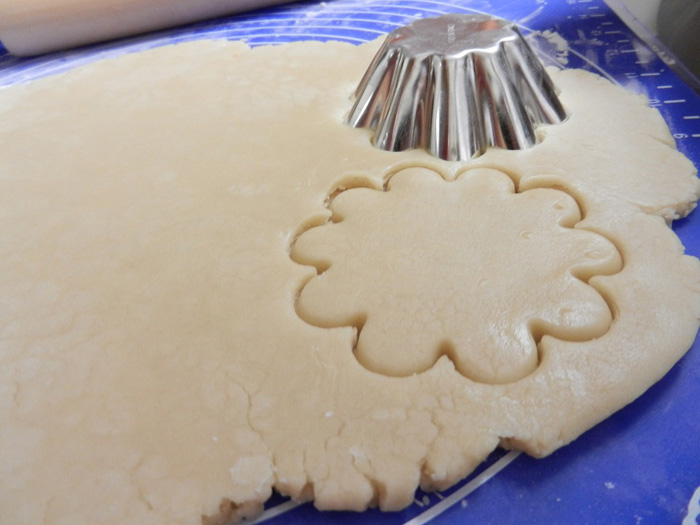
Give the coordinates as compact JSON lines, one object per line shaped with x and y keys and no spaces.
{"x":675,"y":101}
{"x":695,"y":135}
{"x":598,"y":15}
{"x":691,"y":117}
{"x":667,"y":86}
{"x":649,"y":74}
{"x":606,"y":23}
{"x":276,"y":511}
{"x":467,"y":489}
{"x":628,"y":51}
{"x":614,"y":33}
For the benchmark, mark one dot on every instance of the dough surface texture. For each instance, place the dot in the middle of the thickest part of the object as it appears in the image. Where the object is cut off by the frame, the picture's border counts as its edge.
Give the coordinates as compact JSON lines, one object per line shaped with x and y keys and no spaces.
{"x":162,"y":359}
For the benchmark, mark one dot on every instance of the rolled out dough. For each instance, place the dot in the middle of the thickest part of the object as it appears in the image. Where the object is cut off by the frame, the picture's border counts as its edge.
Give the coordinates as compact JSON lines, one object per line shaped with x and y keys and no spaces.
{"x":153,"y":367}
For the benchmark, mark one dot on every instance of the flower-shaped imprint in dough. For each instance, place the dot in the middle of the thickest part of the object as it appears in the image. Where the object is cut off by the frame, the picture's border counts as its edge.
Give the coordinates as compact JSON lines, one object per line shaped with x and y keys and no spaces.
{"x":469,"y":269}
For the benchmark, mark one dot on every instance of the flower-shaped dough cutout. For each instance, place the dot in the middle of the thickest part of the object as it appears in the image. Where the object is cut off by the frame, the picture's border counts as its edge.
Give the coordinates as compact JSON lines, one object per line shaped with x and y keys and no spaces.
{"x":469,"y":269}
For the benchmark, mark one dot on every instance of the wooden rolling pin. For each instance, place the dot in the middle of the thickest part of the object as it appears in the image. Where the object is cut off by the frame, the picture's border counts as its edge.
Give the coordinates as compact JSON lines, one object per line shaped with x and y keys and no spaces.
{"x":30,"y":27}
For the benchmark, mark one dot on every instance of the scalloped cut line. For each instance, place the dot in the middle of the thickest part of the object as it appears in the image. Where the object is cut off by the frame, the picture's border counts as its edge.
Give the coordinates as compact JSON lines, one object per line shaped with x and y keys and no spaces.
{"x":445,"y":346}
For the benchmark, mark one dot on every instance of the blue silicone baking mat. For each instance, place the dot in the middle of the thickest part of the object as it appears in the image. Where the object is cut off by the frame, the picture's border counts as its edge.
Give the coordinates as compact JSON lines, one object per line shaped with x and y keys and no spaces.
{"x":640,"y":466}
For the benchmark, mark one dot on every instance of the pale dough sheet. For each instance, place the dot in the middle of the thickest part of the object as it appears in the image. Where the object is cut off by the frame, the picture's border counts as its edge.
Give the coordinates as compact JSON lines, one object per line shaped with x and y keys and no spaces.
{"x":152,"y":362}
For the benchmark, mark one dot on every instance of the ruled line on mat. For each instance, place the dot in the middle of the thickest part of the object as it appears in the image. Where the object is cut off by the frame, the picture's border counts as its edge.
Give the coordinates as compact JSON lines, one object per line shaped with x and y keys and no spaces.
{"x":273,"y":512}
{"x":467,"y":489}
